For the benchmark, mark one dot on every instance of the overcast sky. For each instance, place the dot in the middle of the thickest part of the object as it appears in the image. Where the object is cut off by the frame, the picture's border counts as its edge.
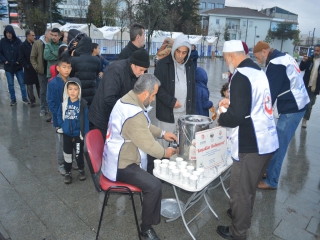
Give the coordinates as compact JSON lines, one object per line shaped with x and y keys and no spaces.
{"x":308,"y":10}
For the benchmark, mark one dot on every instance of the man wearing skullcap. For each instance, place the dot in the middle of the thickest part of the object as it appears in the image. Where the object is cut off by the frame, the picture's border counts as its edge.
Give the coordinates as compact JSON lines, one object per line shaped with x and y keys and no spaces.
{"x":117,"y":81}
{"x":253,"y":135}
{"x":290,"y":96}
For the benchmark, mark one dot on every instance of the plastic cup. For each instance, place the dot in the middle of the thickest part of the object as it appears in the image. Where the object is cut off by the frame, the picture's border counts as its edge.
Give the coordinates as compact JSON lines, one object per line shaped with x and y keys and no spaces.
{"x":175,"y":175}
{"x":172,"y":163}
{"x":179,"y":159}
{"x":166,"y":161}
{"x":201,"y":170}
{"x":185,"y":178}
{"x":190,"y":169}
{"x":198,"y":174}
{"x":182,"y":167}
{"x":182,"y":171}
{"x":164,"y":169}
{"x":157,"y":163}
{"x":193,"y":181}
{"x":183,"y":163}
{"x":170,"y":168}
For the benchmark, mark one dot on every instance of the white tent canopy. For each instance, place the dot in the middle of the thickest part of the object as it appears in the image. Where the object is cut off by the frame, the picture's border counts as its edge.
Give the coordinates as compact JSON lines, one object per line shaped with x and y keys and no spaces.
{"x":195,"y":39}
{"x":210,"y":39}
{"x":95,"y":33}
{"x":54,"y":25}
{"x":19,"y":32}
{"x":159,"y":36}
{"x":114,"y":33}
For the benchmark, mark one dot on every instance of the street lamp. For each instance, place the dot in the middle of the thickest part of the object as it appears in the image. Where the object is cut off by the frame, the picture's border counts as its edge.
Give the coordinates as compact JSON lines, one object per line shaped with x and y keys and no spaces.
{"x":255,"y":34}
{"x":89,"y":25}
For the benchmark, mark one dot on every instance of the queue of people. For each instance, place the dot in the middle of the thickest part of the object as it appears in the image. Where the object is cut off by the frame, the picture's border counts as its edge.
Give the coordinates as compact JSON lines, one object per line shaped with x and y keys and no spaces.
{"x":118,"y":107}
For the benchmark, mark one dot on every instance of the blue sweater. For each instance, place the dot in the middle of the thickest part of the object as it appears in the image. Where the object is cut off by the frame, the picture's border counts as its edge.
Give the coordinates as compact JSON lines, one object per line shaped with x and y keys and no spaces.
{"x":202,"y":102}
{"x":54,"y":97}
{"x":279,"y":83}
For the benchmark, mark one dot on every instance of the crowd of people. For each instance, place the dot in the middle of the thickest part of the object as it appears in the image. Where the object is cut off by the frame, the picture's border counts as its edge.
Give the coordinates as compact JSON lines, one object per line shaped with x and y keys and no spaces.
{"x":79,"y":91}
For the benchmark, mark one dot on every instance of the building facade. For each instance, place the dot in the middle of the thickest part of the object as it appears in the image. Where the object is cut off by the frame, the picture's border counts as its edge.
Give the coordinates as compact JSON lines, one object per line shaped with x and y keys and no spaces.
{"x":205,"y":5}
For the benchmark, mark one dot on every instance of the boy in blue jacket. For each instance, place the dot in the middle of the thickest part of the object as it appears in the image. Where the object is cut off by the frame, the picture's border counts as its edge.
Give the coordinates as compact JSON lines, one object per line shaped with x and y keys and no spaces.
{"x":72,"y":118}
{"x":203,"y":104}
{"x":54,"y":99}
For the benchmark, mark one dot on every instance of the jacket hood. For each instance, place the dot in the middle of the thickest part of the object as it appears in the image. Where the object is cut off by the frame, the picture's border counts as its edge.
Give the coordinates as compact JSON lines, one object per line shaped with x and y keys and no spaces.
{"x":84,"y":46}
{"x":42,"y":38}
{"x":201,"y":77}
{"x":181,"y":40}
{"x":72,"y":34}
{"x":9,"y":29}
{"x":65,"y":93}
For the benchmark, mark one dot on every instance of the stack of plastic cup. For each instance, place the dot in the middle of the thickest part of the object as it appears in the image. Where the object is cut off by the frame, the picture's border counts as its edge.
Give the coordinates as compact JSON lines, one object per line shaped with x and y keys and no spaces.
{"x":157,"y":163}
{"x":193,"y":180}
{"x":165,"y":161}
{"x":185,"y":178}
{"x":182,"y":171}
{"x":164,"y":169}
{"x":175,"y":175}
{"x":170,"y":168}
{"x":190,"y":169}
{"x":201,"y":170}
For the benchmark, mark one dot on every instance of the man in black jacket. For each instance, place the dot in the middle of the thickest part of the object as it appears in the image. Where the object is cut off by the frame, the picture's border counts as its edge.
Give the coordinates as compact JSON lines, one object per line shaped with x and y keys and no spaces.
{"x":177,"y":93}
{"x":85,"y":67}
{"x":311,"y":79}
{"x":137,"y":41}
{"x":118,"y":79}
{"x":30,"y":75}
{"x":9,"y":54}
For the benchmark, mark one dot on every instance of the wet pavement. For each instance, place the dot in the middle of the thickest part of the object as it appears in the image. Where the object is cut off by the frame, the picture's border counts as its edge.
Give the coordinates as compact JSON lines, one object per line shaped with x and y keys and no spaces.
{"x":36,"y":204}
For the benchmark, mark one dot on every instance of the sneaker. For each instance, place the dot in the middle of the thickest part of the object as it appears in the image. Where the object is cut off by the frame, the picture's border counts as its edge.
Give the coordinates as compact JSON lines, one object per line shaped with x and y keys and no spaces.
{"x":25,"y":101}
{"x":33,"y":105}
{"x":61,"y":169}
{"x":49,"y":117}
{"x":74,"y":165}
{"x":304,"y":123}
{"x":82,"y":175}
{"x":68,"y":178}
{"x":13,"y":102}
{"x":42,"y":113}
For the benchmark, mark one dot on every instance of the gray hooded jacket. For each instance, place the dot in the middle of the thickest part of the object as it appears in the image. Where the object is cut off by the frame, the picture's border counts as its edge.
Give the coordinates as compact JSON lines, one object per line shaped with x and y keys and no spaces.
{"x":177,"y":82}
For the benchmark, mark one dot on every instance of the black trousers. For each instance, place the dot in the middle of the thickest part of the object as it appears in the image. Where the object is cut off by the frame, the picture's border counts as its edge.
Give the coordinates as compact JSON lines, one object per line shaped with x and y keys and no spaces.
{"x":244,"y":179}
{"x":70,"y":144}
{"x":151,"y":189}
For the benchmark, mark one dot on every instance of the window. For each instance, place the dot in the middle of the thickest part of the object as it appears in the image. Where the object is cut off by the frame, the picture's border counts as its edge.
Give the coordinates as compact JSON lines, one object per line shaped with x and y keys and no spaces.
{"x":244,"y":23}
{"x":210,"y":5}
{"x":250,"y":23}
{"x":219,"y":5}
{"x":233,"y":36}
{"x":217,"y":21}
{"x":202,"y":6}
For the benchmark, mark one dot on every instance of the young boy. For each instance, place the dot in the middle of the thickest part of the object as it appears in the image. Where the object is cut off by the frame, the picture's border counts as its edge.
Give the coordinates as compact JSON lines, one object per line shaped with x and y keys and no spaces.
{"x":54,"y":99}
{"x":72,"y":118}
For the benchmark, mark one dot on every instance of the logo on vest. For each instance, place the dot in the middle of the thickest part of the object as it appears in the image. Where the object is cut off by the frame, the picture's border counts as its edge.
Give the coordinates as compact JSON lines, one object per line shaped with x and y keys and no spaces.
{"x":267,"y":104}
{"x":108,"y":136}
{"x":295,"y":64}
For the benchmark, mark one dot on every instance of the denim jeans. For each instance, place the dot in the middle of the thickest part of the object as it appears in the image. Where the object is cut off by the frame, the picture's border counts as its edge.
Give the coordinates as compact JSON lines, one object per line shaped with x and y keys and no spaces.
{"x":43,"y":81}
{"x":10,"y":79}
{"x":286,"y":127}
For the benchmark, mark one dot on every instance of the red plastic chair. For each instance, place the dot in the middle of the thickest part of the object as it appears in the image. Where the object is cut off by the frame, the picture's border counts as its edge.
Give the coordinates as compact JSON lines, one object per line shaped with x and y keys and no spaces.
{"x":93,"y":150}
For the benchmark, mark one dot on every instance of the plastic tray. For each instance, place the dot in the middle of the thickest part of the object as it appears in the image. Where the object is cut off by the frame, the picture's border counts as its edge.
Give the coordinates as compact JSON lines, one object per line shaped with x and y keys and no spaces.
{"x":170,"y":208}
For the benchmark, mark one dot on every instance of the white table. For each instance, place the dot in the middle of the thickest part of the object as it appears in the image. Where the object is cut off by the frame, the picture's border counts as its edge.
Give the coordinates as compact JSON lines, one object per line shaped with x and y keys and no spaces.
{"x":197,"y":193}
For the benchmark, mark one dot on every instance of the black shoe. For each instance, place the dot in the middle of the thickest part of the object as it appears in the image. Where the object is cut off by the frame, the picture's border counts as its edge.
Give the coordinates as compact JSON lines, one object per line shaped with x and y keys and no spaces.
{"x":224,"y":232}
{"x":68,"y":178}
{"x":229,"y":213}
{"x":82,"y":175}
{"x":150,"y":235}
{"x":13,"y":102}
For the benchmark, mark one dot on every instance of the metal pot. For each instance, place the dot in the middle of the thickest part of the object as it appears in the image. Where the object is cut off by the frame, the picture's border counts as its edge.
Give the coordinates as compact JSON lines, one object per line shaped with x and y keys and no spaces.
{"x":188,"y":125}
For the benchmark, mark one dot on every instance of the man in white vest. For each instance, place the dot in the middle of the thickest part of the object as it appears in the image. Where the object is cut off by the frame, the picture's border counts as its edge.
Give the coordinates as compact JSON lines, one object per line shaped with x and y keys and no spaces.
{"x":290,"y":96}
{"x":253,"y":135}
{"x":130,"y":137}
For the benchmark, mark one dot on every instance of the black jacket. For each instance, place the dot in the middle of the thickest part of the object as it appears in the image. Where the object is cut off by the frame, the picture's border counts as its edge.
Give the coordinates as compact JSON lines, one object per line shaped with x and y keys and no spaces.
{"x":117,"y":80}
{"x":307,"y":67}
{"x":9,"y":51}
{"x":165,"y":100}
{"x":127,"y":51}
{"x":85,"y":67}
{"x":30,"y":75}
{"x":240,"y":107}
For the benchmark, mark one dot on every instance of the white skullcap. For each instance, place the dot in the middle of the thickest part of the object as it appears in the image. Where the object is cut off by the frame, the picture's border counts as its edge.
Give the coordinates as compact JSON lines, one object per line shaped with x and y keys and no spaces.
{"x":232,"y":46}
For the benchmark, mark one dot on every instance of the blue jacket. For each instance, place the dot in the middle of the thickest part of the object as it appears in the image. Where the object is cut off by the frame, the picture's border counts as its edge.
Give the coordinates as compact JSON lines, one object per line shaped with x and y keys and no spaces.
{"x":54,"y":97}
{"x":203,"y":104}
{"x":73,"y":116}
{"x":279,"y":83}
{"x":103,"y":63}
{"x":9,"y":51}
{"x":194,"y":56}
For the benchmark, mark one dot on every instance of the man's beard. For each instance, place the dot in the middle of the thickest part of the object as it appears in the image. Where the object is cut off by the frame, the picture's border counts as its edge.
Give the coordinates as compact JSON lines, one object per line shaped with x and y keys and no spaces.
{"x":146,"y":102}
{"x":231,"y":68}
{"x":316,"y":55}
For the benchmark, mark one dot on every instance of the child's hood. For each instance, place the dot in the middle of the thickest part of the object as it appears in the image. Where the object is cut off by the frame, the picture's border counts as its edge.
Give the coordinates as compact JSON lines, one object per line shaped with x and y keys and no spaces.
{"x":201,"y":77}
{"x":65,"y":93}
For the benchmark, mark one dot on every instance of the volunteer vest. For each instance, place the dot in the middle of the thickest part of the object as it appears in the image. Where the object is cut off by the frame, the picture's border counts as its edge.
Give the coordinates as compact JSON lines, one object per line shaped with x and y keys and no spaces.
{"x":114,"y":139}
{"x":293,"y":72}
{"x":261,"y":114}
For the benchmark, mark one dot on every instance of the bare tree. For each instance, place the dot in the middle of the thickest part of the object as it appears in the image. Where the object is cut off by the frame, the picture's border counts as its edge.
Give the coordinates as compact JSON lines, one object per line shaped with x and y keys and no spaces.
{"x":110,"y":12}
{"x":79,"y":9}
